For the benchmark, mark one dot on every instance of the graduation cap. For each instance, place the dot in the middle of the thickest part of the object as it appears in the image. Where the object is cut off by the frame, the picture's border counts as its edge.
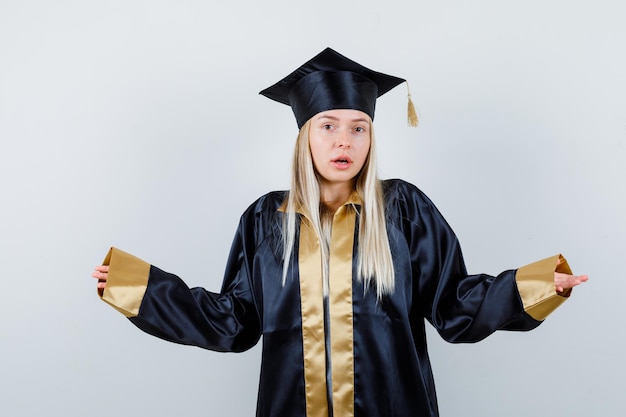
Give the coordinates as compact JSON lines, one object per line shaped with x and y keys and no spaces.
{"x":331,"y":81}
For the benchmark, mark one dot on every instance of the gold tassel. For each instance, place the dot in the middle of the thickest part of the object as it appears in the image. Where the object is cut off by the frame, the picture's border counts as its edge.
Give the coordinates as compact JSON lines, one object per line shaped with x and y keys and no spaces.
{"x":411,"y":113}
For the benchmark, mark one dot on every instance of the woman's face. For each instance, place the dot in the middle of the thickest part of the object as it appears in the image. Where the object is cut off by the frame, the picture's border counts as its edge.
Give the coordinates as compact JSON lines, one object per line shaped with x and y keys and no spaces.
{"x":339,"y":141}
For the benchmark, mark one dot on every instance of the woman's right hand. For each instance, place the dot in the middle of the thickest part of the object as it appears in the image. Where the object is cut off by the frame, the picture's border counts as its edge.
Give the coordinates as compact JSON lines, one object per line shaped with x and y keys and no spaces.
{"x":101,"y":274}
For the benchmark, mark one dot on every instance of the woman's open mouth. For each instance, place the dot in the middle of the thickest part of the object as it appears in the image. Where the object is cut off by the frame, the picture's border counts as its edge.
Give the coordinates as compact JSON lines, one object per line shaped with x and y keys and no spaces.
{"x":342,"y":162}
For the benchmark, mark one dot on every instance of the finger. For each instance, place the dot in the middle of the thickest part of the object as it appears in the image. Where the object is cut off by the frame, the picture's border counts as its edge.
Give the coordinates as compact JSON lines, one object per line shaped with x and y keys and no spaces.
{"x":566,"y":281}
{"x":100,"y":275}
{"x":102,"y":268}
{"x":578,"y":279}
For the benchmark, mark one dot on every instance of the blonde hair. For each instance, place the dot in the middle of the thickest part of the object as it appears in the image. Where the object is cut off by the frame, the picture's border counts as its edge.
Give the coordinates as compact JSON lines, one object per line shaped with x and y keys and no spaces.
{"x":375,"y":264}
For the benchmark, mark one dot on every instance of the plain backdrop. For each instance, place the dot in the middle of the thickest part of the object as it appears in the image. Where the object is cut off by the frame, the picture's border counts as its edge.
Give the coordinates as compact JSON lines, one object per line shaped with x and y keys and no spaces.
{"x":138,"y":124}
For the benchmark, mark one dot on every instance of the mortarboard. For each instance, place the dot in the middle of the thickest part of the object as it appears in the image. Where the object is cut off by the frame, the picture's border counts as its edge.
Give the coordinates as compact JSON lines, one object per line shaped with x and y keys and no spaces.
{"x":331,"y":81}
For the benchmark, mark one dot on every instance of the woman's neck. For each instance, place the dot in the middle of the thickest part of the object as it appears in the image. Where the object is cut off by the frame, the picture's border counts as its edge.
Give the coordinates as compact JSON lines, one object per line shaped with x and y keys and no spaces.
{"x":335,"y":195}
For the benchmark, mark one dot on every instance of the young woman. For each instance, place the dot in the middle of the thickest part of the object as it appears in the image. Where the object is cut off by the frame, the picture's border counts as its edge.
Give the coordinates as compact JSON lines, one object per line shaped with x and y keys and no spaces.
{"x":340,"y":273}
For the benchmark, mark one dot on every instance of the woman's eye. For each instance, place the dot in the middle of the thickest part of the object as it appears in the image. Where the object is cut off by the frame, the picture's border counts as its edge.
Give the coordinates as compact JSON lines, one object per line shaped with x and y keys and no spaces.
{"x":359,"y":129}
{"x":327,"y":127}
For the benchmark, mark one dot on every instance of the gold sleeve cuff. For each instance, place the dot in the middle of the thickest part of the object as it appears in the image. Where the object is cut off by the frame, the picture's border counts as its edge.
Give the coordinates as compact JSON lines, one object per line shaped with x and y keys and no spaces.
{"x":535,"y":283}
{"x":126,"y":283}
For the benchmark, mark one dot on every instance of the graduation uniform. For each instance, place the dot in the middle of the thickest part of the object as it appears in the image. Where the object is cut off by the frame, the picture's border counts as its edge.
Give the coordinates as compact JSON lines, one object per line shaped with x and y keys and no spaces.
{"x":378,"y":357}
{"x":346,"y":353}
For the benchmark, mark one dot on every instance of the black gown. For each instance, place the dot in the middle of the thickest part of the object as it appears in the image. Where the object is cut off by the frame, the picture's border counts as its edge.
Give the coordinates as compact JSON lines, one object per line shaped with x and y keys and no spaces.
{"x":369,"y":357}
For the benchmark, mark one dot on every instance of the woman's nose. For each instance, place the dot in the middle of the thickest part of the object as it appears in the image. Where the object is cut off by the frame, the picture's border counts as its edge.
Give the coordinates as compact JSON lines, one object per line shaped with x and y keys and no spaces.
{"x":344,"y":139}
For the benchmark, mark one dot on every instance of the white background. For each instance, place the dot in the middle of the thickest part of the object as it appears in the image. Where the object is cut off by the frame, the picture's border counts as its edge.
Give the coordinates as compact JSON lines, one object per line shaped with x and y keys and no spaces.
{"x":138,"y":124}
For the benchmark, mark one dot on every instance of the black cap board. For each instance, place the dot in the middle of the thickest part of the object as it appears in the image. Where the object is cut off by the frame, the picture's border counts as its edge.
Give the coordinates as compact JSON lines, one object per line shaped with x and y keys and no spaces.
{"x":331,"y":81}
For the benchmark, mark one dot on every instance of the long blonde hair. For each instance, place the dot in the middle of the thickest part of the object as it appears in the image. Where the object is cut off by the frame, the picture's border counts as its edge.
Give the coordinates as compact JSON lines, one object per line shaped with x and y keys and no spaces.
{"x":375,"y":264}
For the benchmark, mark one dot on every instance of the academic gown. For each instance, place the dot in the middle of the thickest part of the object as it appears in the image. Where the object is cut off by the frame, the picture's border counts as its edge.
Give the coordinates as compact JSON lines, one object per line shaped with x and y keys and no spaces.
{"x":346,"y":354}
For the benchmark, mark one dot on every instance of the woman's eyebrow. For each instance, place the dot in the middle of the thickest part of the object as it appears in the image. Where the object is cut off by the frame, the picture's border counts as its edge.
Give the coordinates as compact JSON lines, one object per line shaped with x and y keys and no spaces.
{"x":356,"y":119}
{"x":323,"y":116}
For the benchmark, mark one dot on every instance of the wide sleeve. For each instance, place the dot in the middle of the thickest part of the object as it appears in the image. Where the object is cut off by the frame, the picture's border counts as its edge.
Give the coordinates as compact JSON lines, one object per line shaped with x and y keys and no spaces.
{"x":535,"y":283}
{"x":161,"y":304}
{"x":464,"y":307}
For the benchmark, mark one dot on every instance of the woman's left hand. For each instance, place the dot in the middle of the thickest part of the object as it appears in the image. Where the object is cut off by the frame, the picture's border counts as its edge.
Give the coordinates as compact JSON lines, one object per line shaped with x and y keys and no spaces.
{"x":564,"y":282}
